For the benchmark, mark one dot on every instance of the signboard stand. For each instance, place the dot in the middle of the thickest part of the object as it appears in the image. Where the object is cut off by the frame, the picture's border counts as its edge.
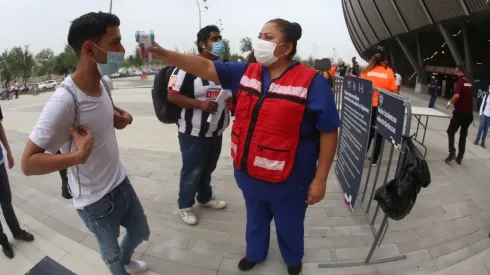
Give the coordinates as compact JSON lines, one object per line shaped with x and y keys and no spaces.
{"x":391,"y":126}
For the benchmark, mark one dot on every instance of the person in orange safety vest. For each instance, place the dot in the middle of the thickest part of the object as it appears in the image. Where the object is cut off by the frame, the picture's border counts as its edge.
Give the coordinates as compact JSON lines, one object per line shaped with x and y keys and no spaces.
{"x":382,"y":77}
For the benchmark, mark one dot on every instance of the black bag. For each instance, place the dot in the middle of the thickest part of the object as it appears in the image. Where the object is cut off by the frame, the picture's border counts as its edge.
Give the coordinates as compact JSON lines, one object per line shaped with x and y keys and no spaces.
{"x":397,"y":197}
{"x":166,"y":111}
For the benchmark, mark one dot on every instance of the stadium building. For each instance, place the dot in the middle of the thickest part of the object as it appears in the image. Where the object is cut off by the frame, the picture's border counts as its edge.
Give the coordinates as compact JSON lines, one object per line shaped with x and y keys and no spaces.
{"x":424,"y":38}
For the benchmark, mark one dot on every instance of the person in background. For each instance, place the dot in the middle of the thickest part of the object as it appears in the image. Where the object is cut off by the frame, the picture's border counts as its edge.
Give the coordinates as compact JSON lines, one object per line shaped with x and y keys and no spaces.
{"x":462,"y":115}
{"x":295,"y":156}
{"x":102,"y":193}
{"x":16,"y":89}
{"x":6,"y":199}
{"x":342,"y":68}
{"x":200,"y":142}
{"x":433,"y":87}
{"x":398,"y":80}
{"x":382,"y":77}
{"x":484,"y":120}
{"x":355,"y":71}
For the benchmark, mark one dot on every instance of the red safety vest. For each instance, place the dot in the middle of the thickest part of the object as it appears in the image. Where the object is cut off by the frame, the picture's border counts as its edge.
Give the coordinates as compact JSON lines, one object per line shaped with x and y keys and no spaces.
{"x":266,"y":130}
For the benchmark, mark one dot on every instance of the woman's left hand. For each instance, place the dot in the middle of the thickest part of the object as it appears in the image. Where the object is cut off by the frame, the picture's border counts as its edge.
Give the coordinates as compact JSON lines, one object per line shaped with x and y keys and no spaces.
{"x":317,"y":190}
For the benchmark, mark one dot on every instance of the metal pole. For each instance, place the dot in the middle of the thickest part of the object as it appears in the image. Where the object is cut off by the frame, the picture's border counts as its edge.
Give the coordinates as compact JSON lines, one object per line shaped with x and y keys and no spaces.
{"x":199,"y":10}
{"x":110,"y":7}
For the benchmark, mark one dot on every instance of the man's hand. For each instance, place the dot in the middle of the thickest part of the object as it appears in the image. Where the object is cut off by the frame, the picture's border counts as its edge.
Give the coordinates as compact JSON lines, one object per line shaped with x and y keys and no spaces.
{"x":10,"y":159}
{"x":316,"y":192}
{"x":121,"y":118}
{"x":208,"y":106}
{"x":84,"y":142}
{"x":156,"y":50}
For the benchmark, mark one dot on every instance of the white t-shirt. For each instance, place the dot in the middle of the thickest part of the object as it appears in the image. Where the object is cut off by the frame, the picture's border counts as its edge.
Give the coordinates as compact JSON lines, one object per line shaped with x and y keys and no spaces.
{"x":103,"y":170}
{"x":485,"y":111}
{"x":398,"y":79}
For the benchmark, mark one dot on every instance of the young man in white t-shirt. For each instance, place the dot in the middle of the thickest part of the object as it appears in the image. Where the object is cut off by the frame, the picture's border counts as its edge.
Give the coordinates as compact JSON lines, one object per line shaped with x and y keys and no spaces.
{"x":102,"y":192}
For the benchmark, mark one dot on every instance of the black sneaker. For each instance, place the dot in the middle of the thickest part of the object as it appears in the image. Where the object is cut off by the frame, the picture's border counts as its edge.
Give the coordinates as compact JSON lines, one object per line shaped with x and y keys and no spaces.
{"x":8,"y":251}
{"x":483,"y":145}
{"x":450,"y":158}
{"x":245,"y":265}
{"x":295,"y":270}
{"x":25,"y":236}
{"x":459,"y":160}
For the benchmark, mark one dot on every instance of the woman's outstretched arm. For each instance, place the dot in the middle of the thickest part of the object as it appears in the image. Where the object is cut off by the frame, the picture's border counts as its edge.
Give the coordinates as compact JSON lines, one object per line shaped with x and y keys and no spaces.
{"x":192,"y":64}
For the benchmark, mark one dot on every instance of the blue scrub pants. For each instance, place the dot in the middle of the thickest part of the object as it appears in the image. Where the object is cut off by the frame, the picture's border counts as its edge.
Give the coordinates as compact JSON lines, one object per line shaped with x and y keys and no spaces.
{"x":289,"y":216}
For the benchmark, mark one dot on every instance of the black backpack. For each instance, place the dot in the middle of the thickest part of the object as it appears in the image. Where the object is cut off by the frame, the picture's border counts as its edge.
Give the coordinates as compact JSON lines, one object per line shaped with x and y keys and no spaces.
{"x":166,"y":111}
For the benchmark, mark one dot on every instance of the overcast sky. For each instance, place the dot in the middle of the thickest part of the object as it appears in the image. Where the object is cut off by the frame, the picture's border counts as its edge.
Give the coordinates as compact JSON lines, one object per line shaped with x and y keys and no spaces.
{"x":45,"y":24}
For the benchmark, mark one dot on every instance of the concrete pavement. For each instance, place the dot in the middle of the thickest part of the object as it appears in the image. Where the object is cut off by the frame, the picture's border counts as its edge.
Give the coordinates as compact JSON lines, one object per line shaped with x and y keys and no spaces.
{"x":447,"y":231}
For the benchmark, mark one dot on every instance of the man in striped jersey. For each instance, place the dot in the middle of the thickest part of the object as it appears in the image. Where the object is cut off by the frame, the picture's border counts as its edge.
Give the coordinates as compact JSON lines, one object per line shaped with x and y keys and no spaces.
{"x":200,"y":141}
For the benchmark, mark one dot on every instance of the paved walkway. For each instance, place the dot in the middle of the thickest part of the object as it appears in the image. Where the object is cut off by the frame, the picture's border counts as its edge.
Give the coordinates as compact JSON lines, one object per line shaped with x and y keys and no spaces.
{"x":447,"y":230}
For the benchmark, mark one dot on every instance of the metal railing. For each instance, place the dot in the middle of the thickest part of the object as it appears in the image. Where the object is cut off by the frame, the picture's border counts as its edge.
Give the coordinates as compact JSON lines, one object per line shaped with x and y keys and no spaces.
{"x":370,"y":186}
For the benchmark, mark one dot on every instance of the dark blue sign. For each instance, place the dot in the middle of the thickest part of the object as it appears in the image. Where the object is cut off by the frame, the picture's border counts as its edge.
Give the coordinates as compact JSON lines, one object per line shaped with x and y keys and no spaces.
{"x":390,"y":117}
{"x":354,"y":133}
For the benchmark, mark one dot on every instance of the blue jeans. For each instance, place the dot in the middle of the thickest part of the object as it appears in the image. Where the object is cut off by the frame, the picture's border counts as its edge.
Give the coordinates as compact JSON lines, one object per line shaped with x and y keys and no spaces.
{"x":199,"y":159}
{"x":121,"y":207}
{"x":483,"y":129}
{"x":432,"y":101}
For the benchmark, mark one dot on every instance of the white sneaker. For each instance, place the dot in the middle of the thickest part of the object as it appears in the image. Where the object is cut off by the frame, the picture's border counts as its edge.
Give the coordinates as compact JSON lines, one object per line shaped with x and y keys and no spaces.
{"x":188,"y":216}
{"x":136,"y":267}
{"x":215,"y":203}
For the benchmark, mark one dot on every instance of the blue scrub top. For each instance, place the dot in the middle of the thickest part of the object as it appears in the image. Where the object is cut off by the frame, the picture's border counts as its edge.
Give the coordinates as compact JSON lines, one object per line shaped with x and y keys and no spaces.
{"x":321,"y":115}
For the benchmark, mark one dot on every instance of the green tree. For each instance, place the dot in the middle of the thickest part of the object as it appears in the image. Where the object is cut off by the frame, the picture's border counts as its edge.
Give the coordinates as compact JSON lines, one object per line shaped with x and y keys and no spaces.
{"x":65,"y":62}
{"x":235,"y":57}
{"x":246,"y":45}
{"x":22,"y":62}
{"x":6,"y":70}
{"x":45,"y":61}
{"x":138,"y":62}
{"x":227,"y":53}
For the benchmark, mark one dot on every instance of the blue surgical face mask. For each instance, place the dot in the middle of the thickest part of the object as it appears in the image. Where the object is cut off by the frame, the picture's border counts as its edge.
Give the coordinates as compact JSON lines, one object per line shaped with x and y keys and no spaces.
{"x":115,"y":61}
{"x":218,"y":48}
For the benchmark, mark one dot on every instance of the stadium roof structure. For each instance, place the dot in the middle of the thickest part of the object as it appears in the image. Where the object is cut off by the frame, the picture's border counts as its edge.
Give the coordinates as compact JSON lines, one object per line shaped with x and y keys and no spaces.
{"x":423,"y":36}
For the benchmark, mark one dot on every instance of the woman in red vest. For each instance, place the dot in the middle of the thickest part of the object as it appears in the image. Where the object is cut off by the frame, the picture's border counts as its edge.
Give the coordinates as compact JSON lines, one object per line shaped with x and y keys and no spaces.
{"x":283,"y":139}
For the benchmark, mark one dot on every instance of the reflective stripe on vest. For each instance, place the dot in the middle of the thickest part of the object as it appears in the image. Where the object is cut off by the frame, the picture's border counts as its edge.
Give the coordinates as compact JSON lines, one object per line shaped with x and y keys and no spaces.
{"x":266,"y":130}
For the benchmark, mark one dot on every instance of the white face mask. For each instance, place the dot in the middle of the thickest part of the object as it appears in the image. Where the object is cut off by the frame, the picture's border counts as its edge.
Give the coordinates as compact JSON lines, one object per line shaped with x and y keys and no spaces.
{"x":264,"y":52}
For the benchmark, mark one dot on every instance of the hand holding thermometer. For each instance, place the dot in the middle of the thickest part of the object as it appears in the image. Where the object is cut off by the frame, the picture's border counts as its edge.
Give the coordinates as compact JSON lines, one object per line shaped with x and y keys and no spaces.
{"x":145,"y":39}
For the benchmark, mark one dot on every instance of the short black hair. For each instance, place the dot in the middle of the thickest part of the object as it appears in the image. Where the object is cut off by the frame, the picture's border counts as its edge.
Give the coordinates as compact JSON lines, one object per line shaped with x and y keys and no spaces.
{"x":292,"y":32}
{"x":203,"y":35}
{"x":90,"y":26}
{"x":460,"y":68}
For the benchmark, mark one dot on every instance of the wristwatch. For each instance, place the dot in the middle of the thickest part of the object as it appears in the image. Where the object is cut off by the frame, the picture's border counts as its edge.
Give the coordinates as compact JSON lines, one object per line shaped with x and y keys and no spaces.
{"x":130,"y":120}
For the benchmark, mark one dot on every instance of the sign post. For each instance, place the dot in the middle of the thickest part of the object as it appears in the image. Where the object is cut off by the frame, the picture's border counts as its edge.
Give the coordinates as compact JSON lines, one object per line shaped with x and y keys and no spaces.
{"x":353,"y":138}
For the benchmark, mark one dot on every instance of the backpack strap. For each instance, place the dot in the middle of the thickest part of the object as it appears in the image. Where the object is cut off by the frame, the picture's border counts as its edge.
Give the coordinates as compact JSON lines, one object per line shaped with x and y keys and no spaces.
{"x":76,"y":126}
{"x":107,"y":88}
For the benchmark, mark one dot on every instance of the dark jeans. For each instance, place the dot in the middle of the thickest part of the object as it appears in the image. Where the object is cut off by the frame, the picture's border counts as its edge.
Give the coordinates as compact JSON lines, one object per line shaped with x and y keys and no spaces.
{"x":432,"y":101}
{"x":120,"y":207}
{"x":7,"y":208}
{"x":379,"y":138}
{"x":199,"y":159}
{"x":463,"y":120}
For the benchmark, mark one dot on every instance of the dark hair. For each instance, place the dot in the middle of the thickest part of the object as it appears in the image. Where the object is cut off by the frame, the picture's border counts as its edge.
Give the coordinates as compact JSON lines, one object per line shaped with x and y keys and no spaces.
{"x":460,"y":68}
{"x":292,"y":32}
{"x":90,"y":26}
{"x":376,"y":60}
{"x":203,"y":35}
{"x":251,"y":58}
